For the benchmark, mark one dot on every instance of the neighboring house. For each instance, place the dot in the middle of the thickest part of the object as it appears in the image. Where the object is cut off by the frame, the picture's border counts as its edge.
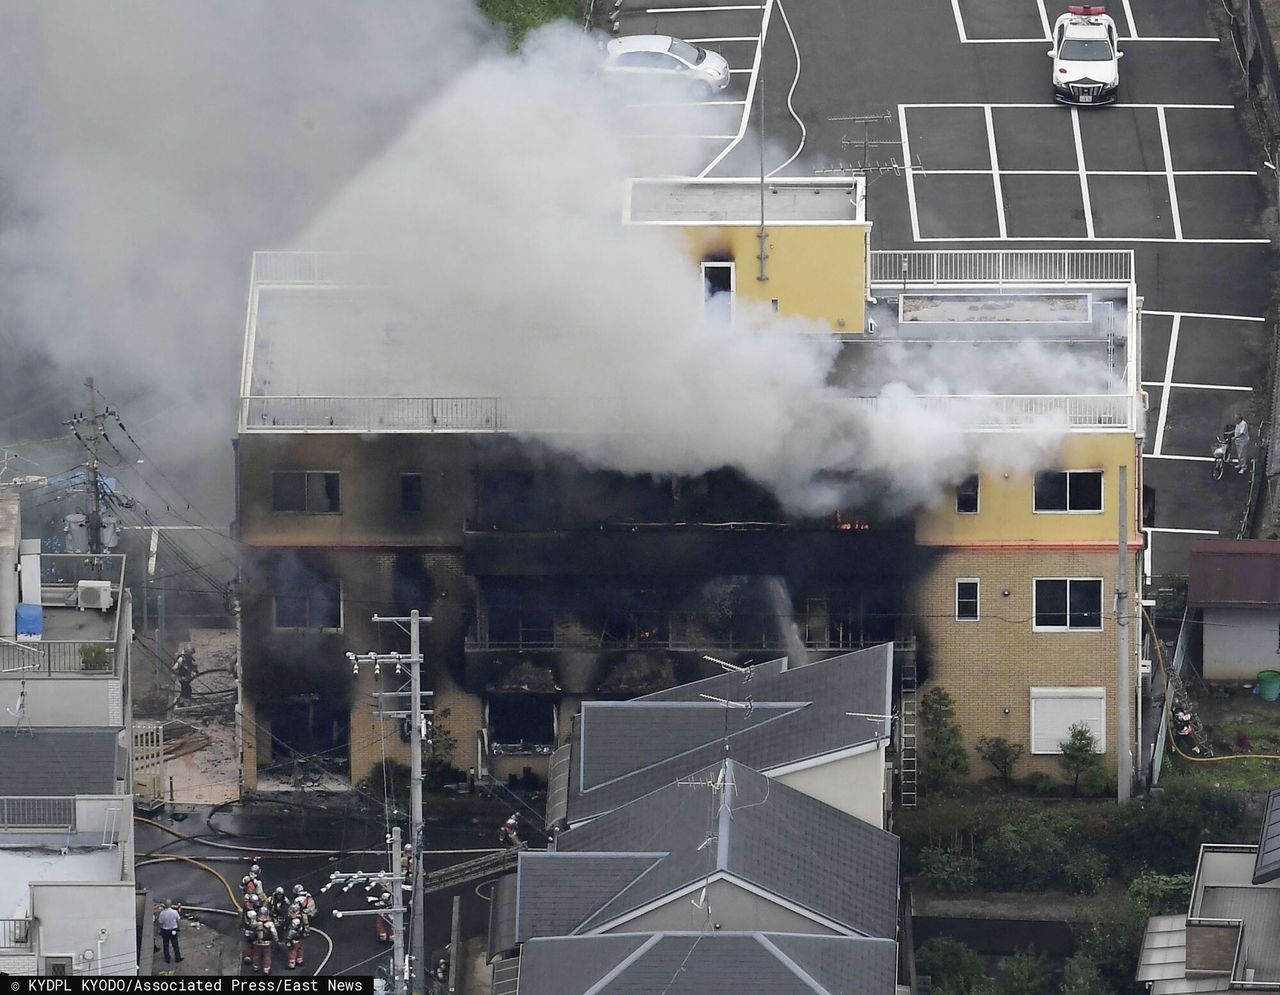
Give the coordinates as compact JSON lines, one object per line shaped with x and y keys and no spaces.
{"x":723,"y":848}
{"x":793,"y":723}
{"x":1235,"y":585}
{"x":726,"y":963}
{"x":1229,"y":940}
{"x":68,"y":902}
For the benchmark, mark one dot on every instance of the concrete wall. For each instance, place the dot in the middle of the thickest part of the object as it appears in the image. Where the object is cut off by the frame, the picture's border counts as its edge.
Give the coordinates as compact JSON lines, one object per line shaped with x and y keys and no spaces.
{"x":71,"y":916}
{"x":854,"y":785}
{"x":1238,"y":642}
{"x":733,"y":907}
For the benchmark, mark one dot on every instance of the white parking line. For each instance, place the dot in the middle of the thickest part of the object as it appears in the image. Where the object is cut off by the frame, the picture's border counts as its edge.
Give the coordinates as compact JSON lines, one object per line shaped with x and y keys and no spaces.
{"x":1048,"y":31}
{"x":995,"y":172}
{"x":1187,"y":532}
{"x":1168,"y":378}
{"x":677,"y":138}
{"x":749,"y":101}
{"x":1168,"y":166}
{"x":909,"y":170}
{"x":1201,"y":314}
{"x":1094,"y":172}
{"x":1082,"y":238}
{"x":1181,"y":459}
{"x":1128,"y":16}
{"x":1196,"y":386}
{"x":1044,"y":22}
{"x":1053,"y":104}
{"x":1084,"y":177}
{"x":955,"y":9}
{"x":700,"y":10}
{"x":712,"y":41}
{"x":742,"y":70}
{"x":1124,"y":38}
{"x":697,"y":103}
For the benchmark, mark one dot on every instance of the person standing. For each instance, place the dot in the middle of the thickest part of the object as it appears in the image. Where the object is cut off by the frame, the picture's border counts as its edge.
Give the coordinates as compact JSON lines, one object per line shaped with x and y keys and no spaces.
{"x":169,"y":922}
{"x":264,"y":937}
{"x":184,"y":668}
{"x":1240,"y":439}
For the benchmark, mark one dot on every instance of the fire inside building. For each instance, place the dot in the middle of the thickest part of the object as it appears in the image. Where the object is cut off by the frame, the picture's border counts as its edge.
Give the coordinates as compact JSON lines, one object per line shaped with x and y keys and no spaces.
{"x":549,"y":582}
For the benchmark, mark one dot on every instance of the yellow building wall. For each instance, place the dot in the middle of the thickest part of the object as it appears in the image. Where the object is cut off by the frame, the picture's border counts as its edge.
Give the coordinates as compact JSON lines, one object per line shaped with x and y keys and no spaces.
{"x":989,"y":666}
{"x":1006,"y":509}
{"x":816,"y":272}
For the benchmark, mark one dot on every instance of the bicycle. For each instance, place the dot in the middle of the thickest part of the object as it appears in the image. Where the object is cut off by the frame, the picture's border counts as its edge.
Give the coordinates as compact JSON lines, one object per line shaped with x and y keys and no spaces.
{"x":1221,"y":455}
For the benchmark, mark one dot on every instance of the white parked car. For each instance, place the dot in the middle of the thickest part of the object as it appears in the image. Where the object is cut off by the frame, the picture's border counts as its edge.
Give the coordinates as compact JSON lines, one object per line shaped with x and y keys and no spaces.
{"x":664,"y":57}
{"x":1086,"y":57}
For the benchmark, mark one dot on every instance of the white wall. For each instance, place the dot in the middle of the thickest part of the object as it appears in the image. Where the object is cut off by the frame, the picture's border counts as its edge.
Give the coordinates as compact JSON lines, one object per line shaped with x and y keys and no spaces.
{"x":854,"y":785}
{"x":67,"y":702}
{"x":71,"y":915}
{"x":1238,"y":642}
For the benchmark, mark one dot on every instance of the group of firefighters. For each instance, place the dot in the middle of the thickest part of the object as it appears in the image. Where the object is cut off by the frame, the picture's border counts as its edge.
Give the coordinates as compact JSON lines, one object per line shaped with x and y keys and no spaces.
{"x":384,"y":921}
{"x":278,"y":918}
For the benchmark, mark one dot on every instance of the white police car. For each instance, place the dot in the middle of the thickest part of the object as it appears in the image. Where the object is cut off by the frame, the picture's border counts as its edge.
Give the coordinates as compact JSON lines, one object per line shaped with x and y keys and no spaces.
{"x":1086,"y":57}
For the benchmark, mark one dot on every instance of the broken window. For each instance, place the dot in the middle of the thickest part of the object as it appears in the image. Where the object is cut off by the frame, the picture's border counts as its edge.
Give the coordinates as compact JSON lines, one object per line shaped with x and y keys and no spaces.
{"x":313,"y":605}
{"x":967,"y":496}
{"x":1068,"y":490}
{"x":318,"y":492}
{"x":411,"y":493}
{"x":522,"y":719}
{"x":717,"y":278}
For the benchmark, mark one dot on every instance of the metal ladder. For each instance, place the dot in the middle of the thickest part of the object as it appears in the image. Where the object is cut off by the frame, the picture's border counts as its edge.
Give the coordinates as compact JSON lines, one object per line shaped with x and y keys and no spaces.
{"x":907,"y":755}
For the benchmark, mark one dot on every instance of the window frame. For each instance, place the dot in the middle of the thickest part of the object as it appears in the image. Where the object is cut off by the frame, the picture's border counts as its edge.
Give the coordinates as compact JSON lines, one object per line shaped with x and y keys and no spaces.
{"x":977,"y":599}
{"x":307,"y":599}
{"x":306,"y":492}
{"x":732,"y":266}
{"x":1102,"y":493}
{"x":1098,"y":694}
{"x":977,"y":494}
{"x":1035,"y":611}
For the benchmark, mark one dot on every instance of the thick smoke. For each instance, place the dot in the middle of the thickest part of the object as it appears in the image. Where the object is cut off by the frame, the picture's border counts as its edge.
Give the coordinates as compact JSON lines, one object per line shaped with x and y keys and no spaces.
{"x":149,"y":147}
{"x":496,"y":223}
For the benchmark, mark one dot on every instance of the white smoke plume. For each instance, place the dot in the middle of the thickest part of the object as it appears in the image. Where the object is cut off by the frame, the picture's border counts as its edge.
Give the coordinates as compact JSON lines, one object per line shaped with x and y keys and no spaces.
{"x":496,"y":220}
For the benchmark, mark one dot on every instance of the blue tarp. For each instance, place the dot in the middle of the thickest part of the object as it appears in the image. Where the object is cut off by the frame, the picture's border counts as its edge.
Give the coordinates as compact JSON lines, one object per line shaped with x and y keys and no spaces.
{"x":30,"y":621}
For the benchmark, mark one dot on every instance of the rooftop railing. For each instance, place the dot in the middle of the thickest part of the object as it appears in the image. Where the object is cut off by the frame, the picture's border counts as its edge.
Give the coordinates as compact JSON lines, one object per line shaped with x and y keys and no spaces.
{"x":51,"y":658}
{"x":37,"y":812}
{"x":1002,"y":266}
{"x":15,"y":934}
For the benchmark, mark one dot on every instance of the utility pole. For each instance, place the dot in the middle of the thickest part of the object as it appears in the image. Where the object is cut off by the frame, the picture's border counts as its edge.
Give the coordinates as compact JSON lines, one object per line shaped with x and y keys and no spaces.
{"x":393,"y":878}
{"x":93,"y":419}
{"x":1124,"y":759}
{"x":417,"y":951}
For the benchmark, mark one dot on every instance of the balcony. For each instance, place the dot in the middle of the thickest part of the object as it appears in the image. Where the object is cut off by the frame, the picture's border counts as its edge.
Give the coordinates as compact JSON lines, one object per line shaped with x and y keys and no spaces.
{"x":15,"y":934}
{"x":37,"y":812}
{"x":50,"y":658}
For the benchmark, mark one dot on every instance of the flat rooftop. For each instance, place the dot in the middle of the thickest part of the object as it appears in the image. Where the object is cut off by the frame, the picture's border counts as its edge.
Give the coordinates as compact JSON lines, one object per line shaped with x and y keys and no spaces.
{"x":1224,"y":891}
{"x":1043,"y":332}
{"x":20,"y":868}
{"x":736,"y":201}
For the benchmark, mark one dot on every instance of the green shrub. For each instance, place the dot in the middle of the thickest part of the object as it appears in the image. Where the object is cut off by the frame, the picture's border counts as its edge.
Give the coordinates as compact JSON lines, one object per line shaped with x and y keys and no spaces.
{"x":1086,"y":872}
{"x":1042,"y":785}
{"x":1160,"y":894}
{"x":1024,"y":974}
{"x":1080,"y":757}
{"x":949,"y":870}
{"x":1025,"y":855}
{"x":1111,"y":941}
{"x":954,"y":967}
{"x":1080,"y":977}
{"x":1165,"y":830}
{"x":1002,"y":755}
{"x":95,"y":656}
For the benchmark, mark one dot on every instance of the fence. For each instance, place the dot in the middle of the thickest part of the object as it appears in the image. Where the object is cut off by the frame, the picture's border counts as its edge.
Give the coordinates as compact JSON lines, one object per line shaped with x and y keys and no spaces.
{"x":1000,"y":266}
{"x":1162,"y":733}
{"x":37,"y":812}
{"x":49,"y":658}
{"x":15,"y":934}
{"x":372,"y":414}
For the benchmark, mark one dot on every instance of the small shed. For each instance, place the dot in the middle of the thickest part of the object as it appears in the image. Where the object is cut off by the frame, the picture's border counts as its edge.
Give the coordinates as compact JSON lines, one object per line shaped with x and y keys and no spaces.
{"x":1236,"y":586}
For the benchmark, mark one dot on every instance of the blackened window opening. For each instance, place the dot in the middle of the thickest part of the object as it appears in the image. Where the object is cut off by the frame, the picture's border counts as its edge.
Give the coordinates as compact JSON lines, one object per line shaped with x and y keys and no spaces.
{"x":522,"y":718}
{"x":411,"y":493}
{"x":967,"y":496}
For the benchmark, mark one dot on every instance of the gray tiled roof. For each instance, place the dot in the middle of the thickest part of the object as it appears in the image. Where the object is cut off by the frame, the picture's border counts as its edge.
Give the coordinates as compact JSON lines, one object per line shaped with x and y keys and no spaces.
{"x":753,"y":829}
{"x":1267,"y":866}
{"x":708,"y":964}
{"x":58,"y":762}
{"x":623,"y":750}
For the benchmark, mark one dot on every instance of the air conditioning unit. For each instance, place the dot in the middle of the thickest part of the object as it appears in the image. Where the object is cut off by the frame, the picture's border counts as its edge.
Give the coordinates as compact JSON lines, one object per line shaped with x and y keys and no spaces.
{"x":93,"y":594}
{"x":1144,"y":667}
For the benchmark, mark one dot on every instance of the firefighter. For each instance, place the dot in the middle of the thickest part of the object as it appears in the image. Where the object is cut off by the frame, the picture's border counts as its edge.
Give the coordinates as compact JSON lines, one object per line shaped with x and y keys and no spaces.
{"x":383,"y":922}
{"x":249,"y":925}
{"x":252,"y":883}
{"x":308,"y":903}
{"x":406,"y":876}
{"x":278,"y":906}
{"x":184,"y":668}
{"x":294,"y":935}
{"x":509,"y":834}
{"x":264,"y":935}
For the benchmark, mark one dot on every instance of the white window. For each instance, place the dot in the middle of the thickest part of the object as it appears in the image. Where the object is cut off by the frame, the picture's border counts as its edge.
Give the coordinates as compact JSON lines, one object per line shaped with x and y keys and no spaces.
{"x":1067,"y":604}
{"x":717,"y":278}
{"x":967,"y":496}
{"x":966,"y":599}
{"x":1060,"y":492}
{"x":1055,"y":710}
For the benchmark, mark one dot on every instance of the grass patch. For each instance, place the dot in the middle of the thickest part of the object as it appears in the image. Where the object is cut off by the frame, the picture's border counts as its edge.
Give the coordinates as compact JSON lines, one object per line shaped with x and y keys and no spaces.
{"x":1251,"y":774}
{"x":520,"y":17}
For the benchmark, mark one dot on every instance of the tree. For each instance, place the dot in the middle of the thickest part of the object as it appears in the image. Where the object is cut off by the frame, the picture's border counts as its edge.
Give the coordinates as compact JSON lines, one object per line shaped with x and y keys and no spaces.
{"x":1002,"y":755}
{"x":953,"y":966}
{"x":1080,"y":755}
{"x":441,"y":743}
{"x":945,"y":761}
{"x":1024,"y":974}
{"x":1080,"y":977}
